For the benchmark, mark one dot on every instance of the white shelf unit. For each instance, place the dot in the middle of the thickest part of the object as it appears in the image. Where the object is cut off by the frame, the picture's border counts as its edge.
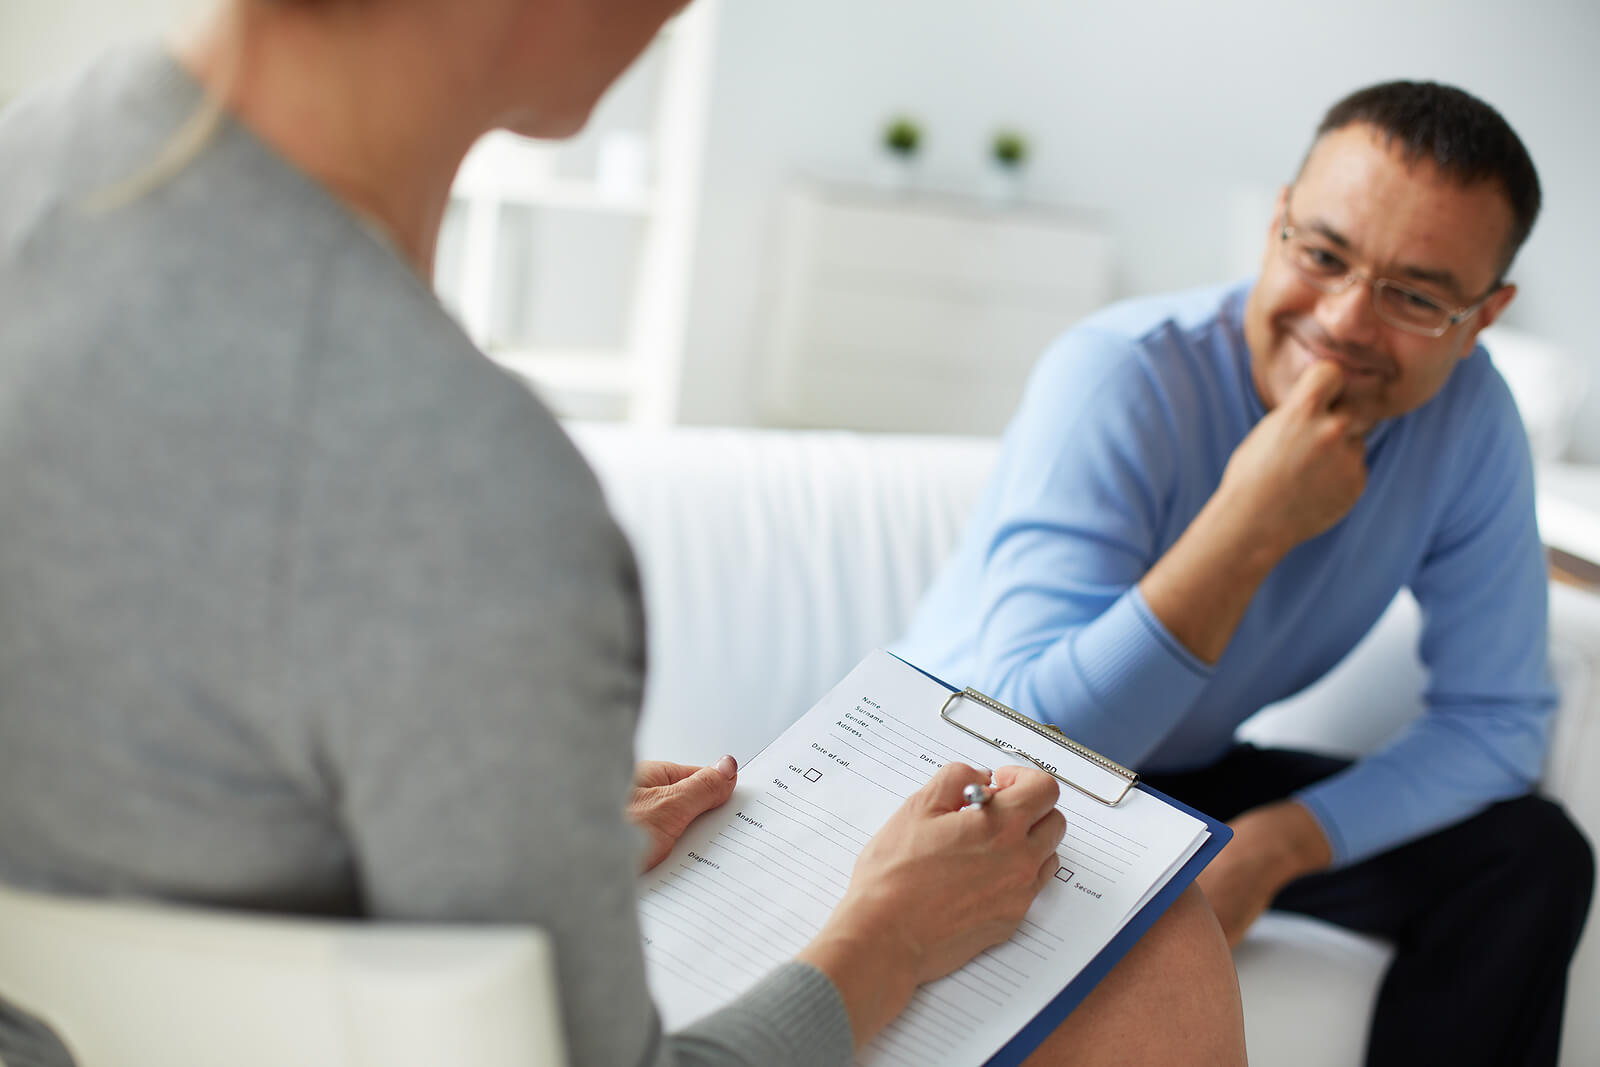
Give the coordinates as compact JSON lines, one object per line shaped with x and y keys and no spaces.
{"x":920,"y":312}
{"x":569,"y":262}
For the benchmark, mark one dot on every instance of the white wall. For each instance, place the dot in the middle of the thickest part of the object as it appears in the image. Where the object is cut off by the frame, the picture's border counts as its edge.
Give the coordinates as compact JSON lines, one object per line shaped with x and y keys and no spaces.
{"x":1163,"y":114}
{"x":40,"y":37}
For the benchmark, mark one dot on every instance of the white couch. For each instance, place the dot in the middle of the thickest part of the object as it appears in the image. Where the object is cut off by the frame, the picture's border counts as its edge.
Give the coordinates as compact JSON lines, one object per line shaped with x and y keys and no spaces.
{"x":773,"y":560}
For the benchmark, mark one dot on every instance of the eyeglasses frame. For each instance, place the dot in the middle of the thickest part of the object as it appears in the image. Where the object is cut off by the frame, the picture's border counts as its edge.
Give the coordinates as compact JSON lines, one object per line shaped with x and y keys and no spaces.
{"x":1457,"y":315}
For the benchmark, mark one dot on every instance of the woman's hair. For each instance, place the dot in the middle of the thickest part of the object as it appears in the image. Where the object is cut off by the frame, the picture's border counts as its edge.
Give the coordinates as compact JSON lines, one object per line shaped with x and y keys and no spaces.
{"x":188,"y":140}
{"x":181,"y":149}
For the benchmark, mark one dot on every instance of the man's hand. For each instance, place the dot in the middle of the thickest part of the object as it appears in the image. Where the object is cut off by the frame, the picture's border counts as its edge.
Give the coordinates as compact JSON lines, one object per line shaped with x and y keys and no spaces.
{"x":667,"y":797}
{"x":1303,"y":467}
{"x":1297,"y":473}
{"x":1272,"y":846}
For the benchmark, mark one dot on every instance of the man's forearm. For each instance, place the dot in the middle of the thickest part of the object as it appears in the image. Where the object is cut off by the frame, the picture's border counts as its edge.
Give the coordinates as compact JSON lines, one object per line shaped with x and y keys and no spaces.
{"x":1202,"y":587}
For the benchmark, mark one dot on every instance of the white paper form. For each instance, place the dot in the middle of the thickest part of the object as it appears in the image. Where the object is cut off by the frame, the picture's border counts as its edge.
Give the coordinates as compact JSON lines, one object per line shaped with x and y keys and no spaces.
{"x":751,"y":883}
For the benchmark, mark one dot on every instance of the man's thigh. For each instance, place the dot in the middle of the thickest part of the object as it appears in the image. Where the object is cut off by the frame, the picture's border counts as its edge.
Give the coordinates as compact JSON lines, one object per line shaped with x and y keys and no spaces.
{"x":1245,"y":778}
{"x":1520,"y":856}
{"x":1525,"y":842}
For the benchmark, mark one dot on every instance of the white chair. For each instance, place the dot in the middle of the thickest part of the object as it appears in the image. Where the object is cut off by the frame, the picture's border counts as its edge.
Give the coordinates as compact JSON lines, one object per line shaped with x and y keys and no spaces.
{"x":140,"y":985}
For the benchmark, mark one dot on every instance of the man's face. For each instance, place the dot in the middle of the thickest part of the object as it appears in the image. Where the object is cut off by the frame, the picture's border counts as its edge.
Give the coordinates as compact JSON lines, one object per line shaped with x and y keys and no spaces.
{"x":1390,"y":220}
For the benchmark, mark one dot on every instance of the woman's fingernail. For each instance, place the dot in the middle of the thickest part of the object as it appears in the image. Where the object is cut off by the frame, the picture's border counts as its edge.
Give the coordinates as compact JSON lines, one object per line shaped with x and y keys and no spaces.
{"x":728,"y":766}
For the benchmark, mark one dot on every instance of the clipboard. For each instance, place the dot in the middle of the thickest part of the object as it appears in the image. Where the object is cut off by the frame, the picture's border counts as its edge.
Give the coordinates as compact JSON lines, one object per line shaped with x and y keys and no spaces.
{"x":1045,"y":1022}
{"x":782,"y":851}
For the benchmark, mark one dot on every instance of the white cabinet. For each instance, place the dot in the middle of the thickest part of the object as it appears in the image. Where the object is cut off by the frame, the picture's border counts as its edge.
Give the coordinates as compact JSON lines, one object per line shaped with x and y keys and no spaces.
{"x":920,"y":312}
{"x":569,"y":261}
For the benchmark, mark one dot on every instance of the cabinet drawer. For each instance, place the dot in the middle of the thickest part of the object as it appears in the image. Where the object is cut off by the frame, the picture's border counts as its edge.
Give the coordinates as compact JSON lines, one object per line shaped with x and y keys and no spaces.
{"x":920,"y":315}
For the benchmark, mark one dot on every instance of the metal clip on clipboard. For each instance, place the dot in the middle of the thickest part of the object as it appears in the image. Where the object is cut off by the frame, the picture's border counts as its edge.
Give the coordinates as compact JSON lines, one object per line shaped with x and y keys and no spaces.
{"x":1119,"y":777}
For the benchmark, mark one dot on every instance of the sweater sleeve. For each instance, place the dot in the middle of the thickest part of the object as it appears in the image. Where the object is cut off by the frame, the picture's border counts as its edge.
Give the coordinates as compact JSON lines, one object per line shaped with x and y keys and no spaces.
{"x":1082,"y":491}
{"x":1490,"y":702}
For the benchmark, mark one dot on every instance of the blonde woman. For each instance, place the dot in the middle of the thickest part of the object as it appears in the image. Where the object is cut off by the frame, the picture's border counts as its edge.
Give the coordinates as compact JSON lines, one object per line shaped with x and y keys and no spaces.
{"x":305,"y":606}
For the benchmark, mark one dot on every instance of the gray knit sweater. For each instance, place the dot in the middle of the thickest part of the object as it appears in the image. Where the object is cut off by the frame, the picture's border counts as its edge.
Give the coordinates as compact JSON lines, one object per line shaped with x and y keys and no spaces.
{"x":305,"y":605}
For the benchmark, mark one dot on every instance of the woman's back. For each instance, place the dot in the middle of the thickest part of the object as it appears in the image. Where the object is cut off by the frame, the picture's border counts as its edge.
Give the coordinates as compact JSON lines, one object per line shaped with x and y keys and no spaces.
{"x":304,"y":605}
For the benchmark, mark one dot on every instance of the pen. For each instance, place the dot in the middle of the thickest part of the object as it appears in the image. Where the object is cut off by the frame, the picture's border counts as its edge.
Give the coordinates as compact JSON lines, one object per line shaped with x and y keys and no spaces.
{"x":976,"y":796}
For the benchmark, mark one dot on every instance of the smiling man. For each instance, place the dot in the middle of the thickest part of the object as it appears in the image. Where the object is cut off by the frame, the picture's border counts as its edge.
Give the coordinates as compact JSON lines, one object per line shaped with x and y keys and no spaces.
{"x":1207,"y":499}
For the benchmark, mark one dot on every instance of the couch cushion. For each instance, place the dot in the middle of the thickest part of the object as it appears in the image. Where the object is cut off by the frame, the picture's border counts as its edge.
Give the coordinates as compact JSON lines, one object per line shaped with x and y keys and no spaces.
{"x":1308,"y":989}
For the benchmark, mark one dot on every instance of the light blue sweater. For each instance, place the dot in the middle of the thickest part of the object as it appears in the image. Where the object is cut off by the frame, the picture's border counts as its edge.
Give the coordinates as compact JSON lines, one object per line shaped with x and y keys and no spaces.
{"x":1127,"y":424}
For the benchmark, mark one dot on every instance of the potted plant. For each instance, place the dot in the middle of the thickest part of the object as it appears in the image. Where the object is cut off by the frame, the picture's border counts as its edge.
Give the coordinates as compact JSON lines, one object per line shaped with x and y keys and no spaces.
{"x":902,"y":136}
{"x":902,"y":139}
{"x":1008,"y":154}
{"x":1009,"y":149}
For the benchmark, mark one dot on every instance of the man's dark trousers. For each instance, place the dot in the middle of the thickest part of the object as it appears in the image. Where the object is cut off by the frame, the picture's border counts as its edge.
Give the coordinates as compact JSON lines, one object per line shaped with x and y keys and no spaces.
{"x":1484,"y":915}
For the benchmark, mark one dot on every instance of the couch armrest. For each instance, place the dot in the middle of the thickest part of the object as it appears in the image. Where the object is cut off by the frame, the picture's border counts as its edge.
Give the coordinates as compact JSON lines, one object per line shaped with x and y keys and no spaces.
{"x":1570,"y":777}
{"x":1575,"y":658}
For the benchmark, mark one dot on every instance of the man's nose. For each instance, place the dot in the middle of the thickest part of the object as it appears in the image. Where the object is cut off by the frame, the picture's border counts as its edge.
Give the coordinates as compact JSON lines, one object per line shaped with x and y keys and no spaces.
{"x":1350,"y":315}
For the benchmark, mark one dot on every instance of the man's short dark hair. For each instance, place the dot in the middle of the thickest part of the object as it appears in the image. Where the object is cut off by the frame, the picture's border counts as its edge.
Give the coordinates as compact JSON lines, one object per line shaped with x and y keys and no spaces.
{"x":1464,"y":137}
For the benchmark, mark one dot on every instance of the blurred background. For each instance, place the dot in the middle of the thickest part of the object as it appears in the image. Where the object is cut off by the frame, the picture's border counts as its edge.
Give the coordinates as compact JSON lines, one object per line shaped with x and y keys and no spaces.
{"x":733,"y":242}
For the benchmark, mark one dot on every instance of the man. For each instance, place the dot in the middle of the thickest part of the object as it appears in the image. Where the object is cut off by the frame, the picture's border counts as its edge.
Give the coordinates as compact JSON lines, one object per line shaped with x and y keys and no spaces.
{"x":1207,"y":499}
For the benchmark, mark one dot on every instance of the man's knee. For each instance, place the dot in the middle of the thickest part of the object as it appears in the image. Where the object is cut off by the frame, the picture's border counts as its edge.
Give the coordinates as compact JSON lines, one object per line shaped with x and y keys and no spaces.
{"x":1544,"y":850}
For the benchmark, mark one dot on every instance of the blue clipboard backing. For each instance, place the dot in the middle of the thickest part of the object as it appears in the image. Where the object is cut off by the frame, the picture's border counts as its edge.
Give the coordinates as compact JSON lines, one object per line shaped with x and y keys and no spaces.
{"x":1043,"y":1024}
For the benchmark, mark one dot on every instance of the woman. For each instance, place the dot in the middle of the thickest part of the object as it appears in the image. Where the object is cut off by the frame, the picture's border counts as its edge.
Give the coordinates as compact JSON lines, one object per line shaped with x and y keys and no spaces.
{"x":305,"y":606}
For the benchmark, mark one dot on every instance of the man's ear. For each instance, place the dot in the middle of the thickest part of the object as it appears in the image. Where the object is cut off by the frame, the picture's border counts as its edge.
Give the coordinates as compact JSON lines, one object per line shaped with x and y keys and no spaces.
{"x":1277,"y":213}
{"x":1493,"y":307}
{"x":1273,"y":223}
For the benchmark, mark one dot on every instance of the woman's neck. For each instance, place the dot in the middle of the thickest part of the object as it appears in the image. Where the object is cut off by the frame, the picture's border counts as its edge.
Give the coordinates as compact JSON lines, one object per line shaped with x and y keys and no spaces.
{"x":360,"y":96}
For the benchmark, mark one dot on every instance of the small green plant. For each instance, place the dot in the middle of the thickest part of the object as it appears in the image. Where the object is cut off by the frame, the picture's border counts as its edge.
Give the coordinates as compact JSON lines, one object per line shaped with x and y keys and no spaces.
{"x":902,"y":136}
{"x":1009,"y":148}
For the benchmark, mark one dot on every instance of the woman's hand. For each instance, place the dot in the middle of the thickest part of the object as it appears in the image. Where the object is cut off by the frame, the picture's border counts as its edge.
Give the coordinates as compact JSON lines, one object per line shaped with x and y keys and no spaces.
{"x":667,"y":797}
{"x":936,"y":886}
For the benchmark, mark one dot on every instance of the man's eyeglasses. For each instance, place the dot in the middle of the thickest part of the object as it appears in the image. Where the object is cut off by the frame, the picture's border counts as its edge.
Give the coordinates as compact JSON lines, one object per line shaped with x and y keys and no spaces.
{"x":1323,"y":265}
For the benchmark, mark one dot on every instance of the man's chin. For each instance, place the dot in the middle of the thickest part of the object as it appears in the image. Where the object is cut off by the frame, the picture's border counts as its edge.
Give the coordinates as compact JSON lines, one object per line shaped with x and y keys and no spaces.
{"x":1363,"y":407}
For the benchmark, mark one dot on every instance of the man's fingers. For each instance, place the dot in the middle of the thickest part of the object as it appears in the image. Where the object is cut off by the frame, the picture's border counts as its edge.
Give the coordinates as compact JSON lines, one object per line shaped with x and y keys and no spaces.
{"x":1318,"y":386}
{"x":1358,"y":425}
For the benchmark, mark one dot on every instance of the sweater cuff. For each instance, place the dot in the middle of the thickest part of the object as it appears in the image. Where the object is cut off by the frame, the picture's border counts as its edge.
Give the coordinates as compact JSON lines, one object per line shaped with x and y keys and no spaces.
{"x":1128,"y":651}
{"x":793,"y":1015}
{"x":1317,"y":800}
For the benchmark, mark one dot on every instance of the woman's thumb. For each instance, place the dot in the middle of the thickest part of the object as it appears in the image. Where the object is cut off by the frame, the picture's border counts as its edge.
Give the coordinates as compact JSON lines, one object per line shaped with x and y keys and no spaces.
{"x":710,"y":786}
